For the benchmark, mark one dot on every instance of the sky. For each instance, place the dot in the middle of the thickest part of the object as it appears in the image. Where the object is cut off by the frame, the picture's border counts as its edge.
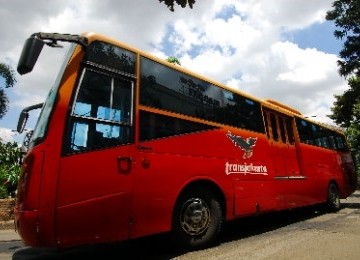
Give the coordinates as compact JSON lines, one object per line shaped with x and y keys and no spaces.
{"x":282,"y":50}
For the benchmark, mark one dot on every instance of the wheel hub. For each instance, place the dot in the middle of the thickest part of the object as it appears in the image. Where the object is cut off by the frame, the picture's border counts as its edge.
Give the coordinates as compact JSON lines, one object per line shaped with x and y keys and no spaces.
{"x":195,"y":216}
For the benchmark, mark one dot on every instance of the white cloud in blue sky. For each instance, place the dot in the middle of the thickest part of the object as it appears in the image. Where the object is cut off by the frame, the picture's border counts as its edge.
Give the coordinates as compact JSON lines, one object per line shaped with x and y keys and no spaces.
{"x":284,"y":50}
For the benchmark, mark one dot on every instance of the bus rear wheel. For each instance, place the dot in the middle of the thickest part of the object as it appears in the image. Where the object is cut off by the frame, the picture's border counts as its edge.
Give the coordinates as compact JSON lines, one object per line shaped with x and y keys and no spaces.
{"x":197,"y":219}
{"x":333,"y":198}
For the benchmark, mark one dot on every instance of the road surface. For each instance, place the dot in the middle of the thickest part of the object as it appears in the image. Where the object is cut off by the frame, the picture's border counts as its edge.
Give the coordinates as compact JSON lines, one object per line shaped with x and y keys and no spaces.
{"x":298,"y":234}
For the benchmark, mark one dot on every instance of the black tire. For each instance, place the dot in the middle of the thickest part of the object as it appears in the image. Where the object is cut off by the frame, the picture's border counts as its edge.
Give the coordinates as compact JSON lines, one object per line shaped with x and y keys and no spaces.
{"x":197,"y":219}
{"x":333,"y":198}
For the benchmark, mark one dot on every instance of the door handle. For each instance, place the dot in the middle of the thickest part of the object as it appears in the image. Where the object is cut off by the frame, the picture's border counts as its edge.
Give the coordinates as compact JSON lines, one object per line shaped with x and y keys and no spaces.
{"x":124,"y":164}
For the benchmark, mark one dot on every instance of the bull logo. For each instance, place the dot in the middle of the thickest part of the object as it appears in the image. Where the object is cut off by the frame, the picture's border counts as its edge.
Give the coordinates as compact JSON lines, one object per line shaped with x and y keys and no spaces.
{"x":245,"y":144}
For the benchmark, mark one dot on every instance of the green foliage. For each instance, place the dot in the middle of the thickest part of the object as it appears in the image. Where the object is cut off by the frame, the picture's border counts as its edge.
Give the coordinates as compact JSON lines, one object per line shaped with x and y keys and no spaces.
{"x":8,"y":74}
{"x":3,"y":102}
{"x":353,"y":137}
{"x":344,"y":111}
{"x":173,"y":60}
{"x":346,"y":108}
{"x":346,"y":15}
{"x":182,"y":3}
{"x":10,"y":156}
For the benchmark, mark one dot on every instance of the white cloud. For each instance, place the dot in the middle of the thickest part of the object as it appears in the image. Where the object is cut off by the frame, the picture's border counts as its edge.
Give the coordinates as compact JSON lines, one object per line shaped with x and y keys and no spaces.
{"x":237,"y":42}
{"x":304,"y":67}
{"x":246,"y":51}
{"x":6,"y":135}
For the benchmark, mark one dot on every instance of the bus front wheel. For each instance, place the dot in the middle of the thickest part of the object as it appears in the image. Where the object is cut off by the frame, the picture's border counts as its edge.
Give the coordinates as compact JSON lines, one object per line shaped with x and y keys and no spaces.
{"x":333,"y":198}
{"x":197,"y":219}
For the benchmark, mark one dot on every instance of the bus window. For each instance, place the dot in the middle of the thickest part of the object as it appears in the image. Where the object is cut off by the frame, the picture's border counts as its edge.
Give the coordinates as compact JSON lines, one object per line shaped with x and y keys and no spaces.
{"x":153,"y":126}
{"x":102,"y":113}
{"x":305,"y":132}
{"x":313,"y":134}
{"x":112,"y":56}
{"x":266,"y":121}
{"x":332,"y":141}
{"x":168,"y":89}
{"x":273,"y":123}
{"x":282,"y":129}
{"x":289,"y":130}
{"x":320,"y":136}
{"x":340,"y":143}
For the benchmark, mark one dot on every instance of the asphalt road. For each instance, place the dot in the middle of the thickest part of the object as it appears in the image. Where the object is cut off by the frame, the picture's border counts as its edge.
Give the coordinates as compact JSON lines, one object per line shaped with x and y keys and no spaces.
{"x":297,"y":234}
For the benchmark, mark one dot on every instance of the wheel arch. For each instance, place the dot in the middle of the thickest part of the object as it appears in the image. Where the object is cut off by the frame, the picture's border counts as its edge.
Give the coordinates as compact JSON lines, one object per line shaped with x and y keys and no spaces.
{"x":340,"y":186}
{"x":335,"y":182}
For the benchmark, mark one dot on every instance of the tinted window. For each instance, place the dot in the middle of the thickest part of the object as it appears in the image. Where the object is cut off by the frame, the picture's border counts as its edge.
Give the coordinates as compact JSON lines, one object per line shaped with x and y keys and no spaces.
{"x":154,"y":126}
{"x":340,"y":141}
{"x":279,"y":126}
{"x":265,"y":115}
{"x":111,"y":56}
{"x":305,"y":131}
{"x":165,"y":88}
{"x":282,"y":129}
{"x":290,"y":131}
{"x":313,"y":134}
{"x":274,"y":127}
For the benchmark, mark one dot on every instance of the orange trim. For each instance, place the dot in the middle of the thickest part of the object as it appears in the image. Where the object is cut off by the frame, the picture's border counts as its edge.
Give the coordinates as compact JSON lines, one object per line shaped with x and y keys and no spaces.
{"x":278,"y":104}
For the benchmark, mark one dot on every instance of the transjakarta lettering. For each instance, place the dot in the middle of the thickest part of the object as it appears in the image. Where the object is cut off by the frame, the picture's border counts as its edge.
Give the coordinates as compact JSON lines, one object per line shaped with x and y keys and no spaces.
{"x":232,"y":168}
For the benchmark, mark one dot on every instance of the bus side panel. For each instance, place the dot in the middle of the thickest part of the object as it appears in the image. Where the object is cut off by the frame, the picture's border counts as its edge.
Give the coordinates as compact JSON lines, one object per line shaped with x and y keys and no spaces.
{"x":169,"y":164}
{"x":94,"y":196}
{"x":157,"y":186}
{"x":165,"y":166}
{"x":319,"y":166}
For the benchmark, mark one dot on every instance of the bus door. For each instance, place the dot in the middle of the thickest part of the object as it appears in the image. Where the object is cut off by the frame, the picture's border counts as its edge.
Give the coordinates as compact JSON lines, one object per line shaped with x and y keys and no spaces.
{"x":96,"y":170}
{"x":280,"y":132}
{"x":290,"y":152}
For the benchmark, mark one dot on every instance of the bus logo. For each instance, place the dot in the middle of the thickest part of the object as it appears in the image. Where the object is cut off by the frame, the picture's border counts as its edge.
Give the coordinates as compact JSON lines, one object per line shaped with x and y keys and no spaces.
{"x":245,"y":144}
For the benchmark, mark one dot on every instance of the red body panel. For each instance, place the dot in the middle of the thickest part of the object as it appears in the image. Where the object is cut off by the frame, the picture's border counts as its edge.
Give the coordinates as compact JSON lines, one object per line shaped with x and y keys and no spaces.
{"x":97,"y":202}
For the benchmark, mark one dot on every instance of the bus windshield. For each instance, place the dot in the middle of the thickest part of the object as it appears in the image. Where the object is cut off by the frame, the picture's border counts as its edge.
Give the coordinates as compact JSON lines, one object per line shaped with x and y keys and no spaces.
{"x":41,"y":125}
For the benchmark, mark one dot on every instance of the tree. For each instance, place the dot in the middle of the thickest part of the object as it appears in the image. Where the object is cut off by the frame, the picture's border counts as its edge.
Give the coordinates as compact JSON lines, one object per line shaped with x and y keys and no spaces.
{"x":346,"y":108}
{"x":182,"y":3}
{"x":173,"y":60}
{"x":10,"y":156}
{"x":346,"y":15}
{"x":8,"y":74}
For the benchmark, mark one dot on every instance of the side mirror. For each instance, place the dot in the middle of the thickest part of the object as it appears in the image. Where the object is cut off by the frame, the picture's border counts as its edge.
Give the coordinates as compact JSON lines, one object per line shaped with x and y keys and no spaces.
{"x":22,"y":121}
{"x":29,"y":55}
{"x":25,"y":115}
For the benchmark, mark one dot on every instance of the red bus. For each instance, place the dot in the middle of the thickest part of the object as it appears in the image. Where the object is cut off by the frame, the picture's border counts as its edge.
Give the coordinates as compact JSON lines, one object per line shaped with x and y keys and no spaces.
{"x":128,"y":145}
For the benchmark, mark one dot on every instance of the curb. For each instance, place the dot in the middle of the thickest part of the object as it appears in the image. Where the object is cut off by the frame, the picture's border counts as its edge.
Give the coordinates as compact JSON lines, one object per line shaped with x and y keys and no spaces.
{"x":7,"y":225}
